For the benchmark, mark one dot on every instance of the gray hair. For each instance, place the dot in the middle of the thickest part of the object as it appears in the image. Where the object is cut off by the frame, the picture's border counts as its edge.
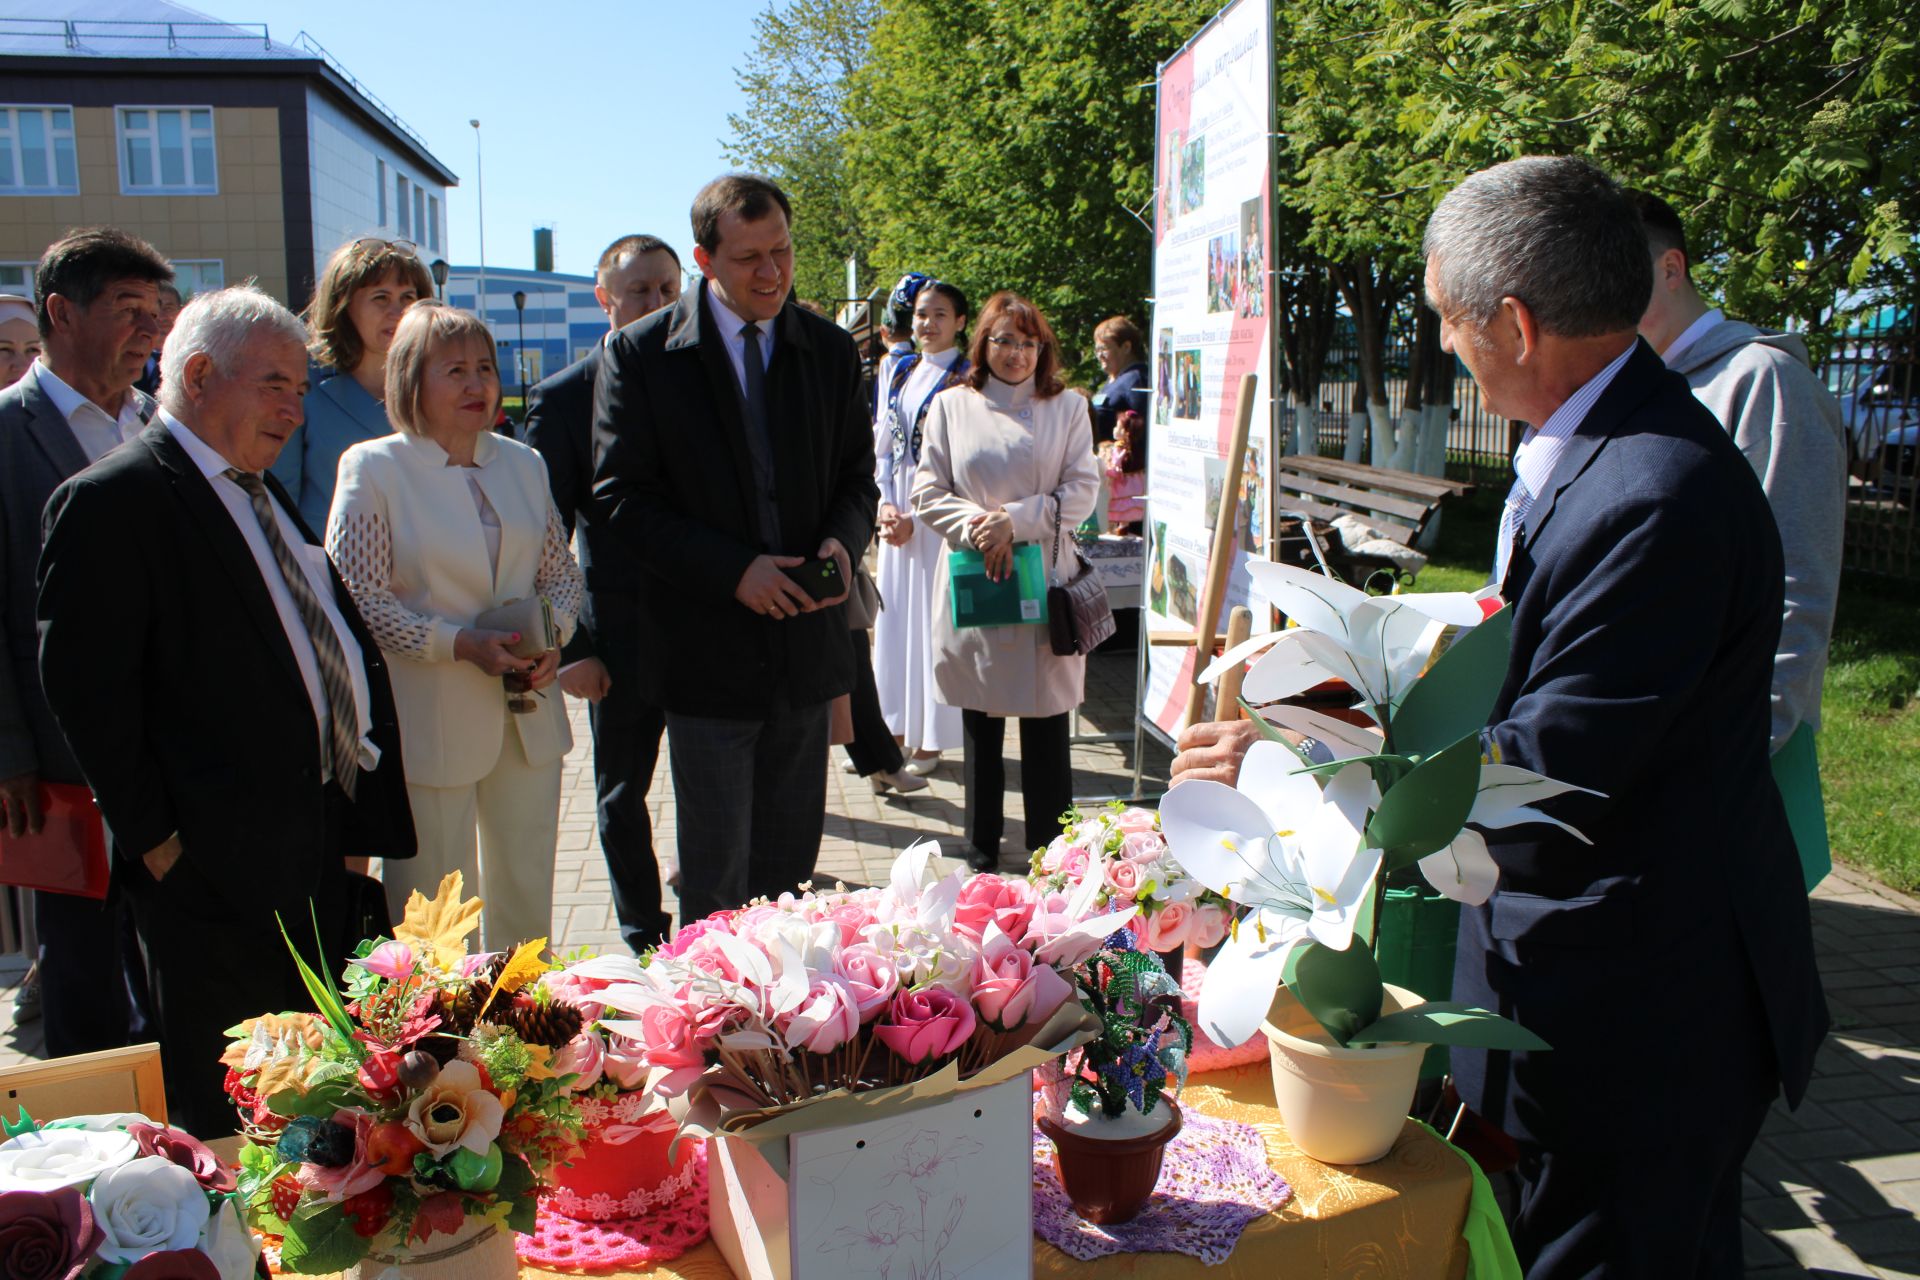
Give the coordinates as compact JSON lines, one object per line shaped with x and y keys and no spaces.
{"x":219,"y":325}
{"x":1553,"y":231}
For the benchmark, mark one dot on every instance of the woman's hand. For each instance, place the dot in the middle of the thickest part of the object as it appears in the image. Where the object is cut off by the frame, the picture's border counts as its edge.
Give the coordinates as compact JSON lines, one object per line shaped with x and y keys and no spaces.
{"x":992,"y":536}
{"x":896,"y":526}
{"x":491,"y":651}
{"x":543,"y":672}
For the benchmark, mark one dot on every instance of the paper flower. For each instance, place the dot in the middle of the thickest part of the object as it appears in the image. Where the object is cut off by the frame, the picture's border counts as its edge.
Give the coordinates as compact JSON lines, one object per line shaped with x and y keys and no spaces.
{"x":174,"y":1264}
{"x":148,"y":1204}
{"x":1010,"y":990}
{"x":1290,"y":853}
{"x":389,"y":960}
{"x":46,"y":1235}
{"x":48,"y":1159}
{"x":927,"y":1024}
{"x":456,"y":1111}
{"x":184,"y":1150}
{"x":228,"y":1243}
{"x":827,"y":1019}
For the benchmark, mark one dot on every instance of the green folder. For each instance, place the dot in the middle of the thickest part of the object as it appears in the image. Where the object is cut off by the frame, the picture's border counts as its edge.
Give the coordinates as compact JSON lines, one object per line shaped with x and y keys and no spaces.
{"x":1019,"y":599}
{"x":1796,"y":771}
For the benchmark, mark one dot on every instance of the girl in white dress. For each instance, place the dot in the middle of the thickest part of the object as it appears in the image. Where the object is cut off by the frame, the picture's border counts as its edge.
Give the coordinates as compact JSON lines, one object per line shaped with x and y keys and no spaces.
{"x":909,"y":553}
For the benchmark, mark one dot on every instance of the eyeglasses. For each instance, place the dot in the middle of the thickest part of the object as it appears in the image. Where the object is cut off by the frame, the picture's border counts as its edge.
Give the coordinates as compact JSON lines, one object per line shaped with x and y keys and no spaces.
{"x":1025,"y":346}
{"x":398,"y":246}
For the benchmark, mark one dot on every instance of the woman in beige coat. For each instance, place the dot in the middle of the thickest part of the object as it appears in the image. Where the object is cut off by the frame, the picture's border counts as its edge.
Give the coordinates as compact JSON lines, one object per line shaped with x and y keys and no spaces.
{"x":1008,"y":459}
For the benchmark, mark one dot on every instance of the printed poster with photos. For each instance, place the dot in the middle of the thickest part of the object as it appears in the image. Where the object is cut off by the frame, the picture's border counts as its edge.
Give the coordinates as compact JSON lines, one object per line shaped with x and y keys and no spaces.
{"x":1212,"y":220}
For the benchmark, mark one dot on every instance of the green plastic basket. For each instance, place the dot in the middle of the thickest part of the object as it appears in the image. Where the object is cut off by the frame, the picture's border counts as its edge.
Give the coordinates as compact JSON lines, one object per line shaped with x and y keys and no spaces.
{"x":1415,"y":950}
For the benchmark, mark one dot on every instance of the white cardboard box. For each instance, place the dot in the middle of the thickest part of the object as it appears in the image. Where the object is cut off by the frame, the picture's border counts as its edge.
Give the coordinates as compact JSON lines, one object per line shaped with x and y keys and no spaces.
{"x":941,"y":1191}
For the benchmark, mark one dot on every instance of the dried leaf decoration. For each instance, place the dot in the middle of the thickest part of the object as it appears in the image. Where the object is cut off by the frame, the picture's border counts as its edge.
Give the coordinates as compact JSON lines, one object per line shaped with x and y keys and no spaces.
{"x":279,"y":1050}
{"x":440,"y":926}
{"x":523,"y":967}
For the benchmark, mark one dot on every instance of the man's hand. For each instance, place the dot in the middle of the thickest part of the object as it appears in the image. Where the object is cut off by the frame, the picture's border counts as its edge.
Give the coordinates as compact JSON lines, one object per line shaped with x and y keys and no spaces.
{"x":586,"y":679}
{"x":832,"y":547}
{"x":20,"y":799}
{"x":896,"y":526}
{"x":1213,"y":750}
{"x":544,"y":671}
{"x":161,"y":858}
{"x":765,"y":588}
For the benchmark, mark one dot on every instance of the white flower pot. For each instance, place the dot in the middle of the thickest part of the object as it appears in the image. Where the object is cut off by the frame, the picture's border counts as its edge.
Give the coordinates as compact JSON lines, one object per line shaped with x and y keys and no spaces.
{"x":1340,"y":1105}
{"x":478,"y":1251}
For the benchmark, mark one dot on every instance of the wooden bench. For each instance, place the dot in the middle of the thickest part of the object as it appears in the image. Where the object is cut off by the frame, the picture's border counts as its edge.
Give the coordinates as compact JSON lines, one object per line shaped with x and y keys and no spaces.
{"x":1398,"y":503}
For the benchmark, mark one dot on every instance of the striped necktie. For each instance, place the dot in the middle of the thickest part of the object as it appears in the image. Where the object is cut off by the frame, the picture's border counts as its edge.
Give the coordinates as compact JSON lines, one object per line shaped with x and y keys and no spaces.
{"x":1512,"y":519}
{"x":343,"y":721}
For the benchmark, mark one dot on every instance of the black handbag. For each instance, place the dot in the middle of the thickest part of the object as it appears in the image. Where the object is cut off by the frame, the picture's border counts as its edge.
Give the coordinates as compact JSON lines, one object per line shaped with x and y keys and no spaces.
{"x":1078,"y":615}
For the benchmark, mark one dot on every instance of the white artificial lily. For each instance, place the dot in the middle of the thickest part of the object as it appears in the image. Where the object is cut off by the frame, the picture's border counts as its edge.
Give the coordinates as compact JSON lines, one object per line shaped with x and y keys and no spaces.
{"x":1286,"y":849}
{"x":1377,"y":644}
{"x":1464,"y":870}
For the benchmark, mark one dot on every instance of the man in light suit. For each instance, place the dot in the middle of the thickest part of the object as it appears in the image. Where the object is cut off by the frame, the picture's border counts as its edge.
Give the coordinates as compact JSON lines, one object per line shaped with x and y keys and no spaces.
{"x":637,"y":276}
{"x":98,"y":307}
{"x":219,"y":691}
{"x":731,"y":443}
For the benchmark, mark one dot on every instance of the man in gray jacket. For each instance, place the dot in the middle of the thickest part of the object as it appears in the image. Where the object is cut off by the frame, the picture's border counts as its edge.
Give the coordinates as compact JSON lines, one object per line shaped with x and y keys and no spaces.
{"x":1763,"y":390}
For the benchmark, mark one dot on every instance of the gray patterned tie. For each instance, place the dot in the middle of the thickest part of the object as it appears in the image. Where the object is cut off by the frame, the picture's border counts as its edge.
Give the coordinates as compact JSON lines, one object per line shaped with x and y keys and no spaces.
{"x":343,"y":721}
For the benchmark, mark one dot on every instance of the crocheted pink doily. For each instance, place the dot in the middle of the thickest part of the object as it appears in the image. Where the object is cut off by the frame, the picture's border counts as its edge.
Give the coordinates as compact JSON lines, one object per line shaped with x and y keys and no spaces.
{"x":1206,"y":1055}
{"x":1215,"y":1181}
{"x":662,"y":1233}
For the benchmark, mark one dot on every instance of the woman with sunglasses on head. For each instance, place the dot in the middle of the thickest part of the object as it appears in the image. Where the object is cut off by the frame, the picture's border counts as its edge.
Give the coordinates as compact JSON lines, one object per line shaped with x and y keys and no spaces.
{"x":367,"y":286}
{"x":1007,"y":460}
{"x":910,"y":552}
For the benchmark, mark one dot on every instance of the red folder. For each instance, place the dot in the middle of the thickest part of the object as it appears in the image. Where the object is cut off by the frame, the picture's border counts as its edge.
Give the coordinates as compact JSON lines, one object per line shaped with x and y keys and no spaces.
{"x":70,"y":853}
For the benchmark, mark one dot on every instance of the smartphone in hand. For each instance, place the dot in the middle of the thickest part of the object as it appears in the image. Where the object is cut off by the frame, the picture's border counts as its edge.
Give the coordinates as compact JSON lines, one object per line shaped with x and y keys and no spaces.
{"x":819,"y":578}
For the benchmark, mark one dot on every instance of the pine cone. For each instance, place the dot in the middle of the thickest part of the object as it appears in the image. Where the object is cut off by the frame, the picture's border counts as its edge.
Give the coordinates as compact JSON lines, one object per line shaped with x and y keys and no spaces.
{"x":461,"y":1007}
{"x":551,"y":1024}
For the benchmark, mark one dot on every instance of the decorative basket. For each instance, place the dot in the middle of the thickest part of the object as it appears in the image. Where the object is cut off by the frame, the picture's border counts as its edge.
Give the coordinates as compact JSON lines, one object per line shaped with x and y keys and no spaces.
{"x":478,"y":1251}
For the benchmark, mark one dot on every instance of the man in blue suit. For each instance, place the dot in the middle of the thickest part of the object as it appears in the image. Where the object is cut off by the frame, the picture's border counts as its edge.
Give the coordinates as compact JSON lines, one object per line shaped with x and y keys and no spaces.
{"x":1669,"y":963}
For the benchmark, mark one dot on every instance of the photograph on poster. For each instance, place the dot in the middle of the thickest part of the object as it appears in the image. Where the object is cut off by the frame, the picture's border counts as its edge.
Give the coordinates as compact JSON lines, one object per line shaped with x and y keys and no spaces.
{"x":1215,"y":472}
{"x":1163,"y":376}
{"x":1250,"y":515}
{"x":1175,"y":139}
{"x":1193,"y":175}
{"x":1182,"y":604}
{"x":1252,"y":278}
{"x":1157,"y":581}
{"x":1186,"y":384}
{"x":1223,"y":274}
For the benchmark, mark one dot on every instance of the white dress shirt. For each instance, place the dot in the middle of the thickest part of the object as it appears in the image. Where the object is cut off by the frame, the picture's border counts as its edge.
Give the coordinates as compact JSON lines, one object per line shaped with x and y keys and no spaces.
{"x":98,"y":431}
{"x":1691,"y":334}
{"x":1539,"y":453}
{"x":313,"y":561}
{"x":730,"y":326}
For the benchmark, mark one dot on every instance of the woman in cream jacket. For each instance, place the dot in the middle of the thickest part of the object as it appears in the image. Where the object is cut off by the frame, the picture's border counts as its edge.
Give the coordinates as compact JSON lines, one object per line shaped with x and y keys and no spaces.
{"x":1008,"y":458}
{"x":431,"y":527}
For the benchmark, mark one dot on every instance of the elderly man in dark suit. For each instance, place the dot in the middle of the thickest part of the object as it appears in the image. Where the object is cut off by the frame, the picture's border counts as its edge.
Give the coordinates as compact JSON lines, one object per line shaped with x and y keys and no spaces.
{"x":731,"y":445}
{"x":98,"y":306}
{"x":636,"y":276}
{"x":220,"y":692}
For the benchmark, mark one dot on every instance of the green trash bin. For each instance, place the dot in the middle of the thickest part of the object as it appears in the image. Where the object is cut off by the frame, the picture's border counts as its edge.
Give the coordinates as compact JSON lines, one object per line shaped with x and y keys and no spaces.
{"x":1415,"y":949}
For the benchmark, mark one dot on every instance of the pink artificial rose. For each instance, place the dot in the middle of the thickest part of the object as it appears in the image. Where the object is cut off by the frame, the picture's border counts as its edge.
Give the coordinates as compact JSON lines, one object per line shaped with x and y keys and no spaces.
{"x":1210,"y":923}
{"x":1010,"y":990}
{"x":1168,"y":928}
{"x":584,"y":1056}
{"x":853,"y":918}
{"x":871,"y":976}
{"x":924,"y":1025}
{"x":1055,"y":854}
{"x":624,"y":1062}
{"x":1144,"y":848}
{"x":826,"y":1019}
{"x":718,"y":922}
{"x":1075,"y":863}
{"x":186,"y":1151}
{"x":1135,"y":821}
{"x":1124,"y":879}
{"x":671,"y":1038}
{"x":990,"y":899}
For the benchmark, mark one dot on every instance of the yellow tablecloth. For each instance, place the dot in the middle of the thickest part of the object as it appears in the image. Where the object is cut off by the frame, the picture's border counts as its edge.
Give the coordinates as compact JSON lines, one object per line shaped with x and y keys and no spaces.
{"x":1398,"y":1218}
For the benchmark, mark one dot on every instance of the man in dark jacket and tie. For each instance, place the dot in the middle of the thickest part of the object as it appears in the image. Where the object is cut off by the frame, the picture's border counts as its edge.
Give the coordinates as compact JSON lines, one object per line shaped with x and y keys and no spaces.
{"x":220,"y":692}
{"x":732,"y":445}
{"x":636,"y":276}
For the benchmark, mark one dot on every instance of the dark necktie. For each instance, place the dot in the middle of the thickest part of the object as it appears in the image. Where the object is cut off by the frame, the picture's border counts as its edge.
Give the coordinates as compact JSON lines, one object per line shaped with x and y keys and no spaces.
{"x":760,"y":435}
{"x":343,"y":721}
{"x":756,"y":380}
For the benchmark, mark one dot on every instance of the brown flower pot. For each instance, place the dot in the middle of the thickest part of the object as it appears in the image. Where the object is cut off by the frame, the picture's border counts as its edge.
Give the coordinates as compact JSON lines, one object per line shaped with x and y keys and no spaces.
{"x":1109,"y":1179}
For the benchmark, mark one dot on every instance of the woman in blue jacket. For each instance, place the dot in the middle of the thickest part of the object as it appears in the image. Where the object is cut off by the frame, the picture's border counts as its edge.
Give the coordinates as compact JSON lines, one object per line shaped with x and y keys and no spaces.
{"x":366,"y":288}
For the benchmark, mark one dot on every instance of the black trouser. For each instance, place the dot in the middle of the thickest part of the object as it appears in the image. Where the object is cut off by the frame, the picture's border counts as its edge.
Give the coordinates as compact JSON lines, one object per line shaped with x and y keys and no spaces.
{"x":626,"y":747}
{"x":1046,"y":777}
{"x":873,"y":749}
{"x":93,"y":984}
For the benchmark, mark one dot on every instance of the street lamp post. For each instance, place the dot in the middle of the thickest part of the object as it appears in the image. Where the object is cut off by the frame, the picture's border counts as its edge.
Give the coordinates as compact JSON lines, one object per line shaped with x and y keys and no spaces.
{"x":438,"y":270}
{"x":480,"y":201}
{"x":520,"y":306}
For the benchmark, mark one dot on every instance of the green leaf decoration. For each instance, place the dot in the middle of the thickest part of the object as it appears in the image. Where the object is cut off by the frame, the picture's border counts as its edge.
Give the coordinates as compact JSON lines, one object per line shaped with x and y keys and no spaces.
{"x":14,"y":1128}
{"x":1457,"y":693}
{"x":321,"y":1240}
{"x":1270,"y":732}
{"x":1426,"y":809}
{"x":516,"y":1187}
{"x":1332,"y":767}
{"x":1449,"y":1022}
{"x":325,"y":999}
{"x":1341,"y":989}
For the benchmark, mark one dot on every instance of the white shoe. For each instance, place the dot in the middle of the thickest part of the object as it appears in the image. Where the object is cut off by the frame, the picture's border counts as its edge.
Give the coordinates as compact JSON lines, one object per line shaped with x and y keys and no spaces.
{"x":900,"y":780}
{"x":848,"y":766}
{"x":921,"y":766}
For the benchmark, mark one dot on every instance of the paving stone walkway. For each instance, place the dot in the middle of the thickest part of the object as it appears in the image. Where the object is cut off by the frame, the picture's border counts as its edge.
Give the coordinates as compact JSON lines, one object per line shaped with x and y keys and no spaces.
{"x":1831,"y":1190}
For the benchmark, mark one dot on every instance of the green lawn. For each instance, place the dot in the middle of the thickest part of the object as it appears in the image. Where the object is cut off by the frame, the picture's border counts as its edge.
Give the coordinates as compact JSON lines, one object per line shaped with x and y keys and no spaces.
{"x":1870,"y":732}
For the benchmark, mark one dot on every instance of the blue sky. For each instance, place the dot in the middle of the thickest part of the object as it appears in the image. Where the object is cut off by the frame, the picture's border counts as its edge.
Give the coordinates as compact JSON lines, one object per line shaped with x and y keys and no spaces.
{"x":597,"y":118}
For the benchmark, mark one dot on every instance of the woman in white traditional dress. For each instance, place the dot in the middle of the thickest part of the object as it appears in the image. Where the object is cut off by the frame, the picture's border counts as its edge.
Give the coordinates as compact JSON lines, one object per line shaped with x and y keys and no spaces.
{"x":910,"y":552}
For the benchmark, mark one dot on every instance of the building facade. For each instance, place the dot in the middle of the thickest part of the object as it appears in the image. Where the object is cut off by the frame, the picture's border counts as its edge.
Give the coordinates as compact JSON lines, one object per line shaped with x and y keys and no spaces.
{"x":562,"y":321}
{"x":237,"y":156}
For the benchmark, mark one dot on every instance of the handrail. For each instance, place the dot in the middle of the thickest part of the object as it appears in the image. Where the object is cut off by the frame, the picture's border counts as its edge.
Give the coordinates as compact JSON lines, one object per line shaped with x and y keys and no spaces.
{"x":308,"y":43}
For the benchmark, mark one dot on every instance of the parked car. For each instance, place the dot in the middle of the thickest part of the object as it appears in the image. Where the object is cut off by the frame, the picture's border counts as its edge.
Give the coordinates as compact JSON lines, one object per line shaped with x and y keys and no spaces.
{"x":1880,"y":406}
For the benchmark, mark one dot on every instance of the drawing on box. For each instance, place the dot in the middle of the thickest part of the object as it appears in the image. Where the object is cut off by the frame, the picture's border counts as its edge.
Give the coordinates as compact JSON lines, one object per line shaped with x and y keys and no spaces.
{"x":907,"y":1235}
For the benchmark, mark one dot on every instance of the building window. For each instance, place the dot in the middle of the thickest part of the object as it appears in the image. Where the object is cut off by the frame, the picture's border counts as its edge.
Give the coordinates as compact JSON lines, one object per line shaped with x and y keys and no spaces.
{"x":36,"y":152}
{"x":380,"y":189}
{"x":196,"y":276}
{"x":433,"y":224}
{"x":167,"y":151}
{"x":17,"y":278}
{"x":419,"y":214}
{"x":400,"y":199}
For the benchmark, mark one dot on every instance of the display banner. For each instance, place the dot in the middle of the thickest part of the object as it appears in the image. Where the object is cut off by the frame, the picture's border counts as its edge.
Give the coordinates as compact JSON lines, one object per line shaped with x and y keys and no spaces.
{"x":1211,"y":280}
